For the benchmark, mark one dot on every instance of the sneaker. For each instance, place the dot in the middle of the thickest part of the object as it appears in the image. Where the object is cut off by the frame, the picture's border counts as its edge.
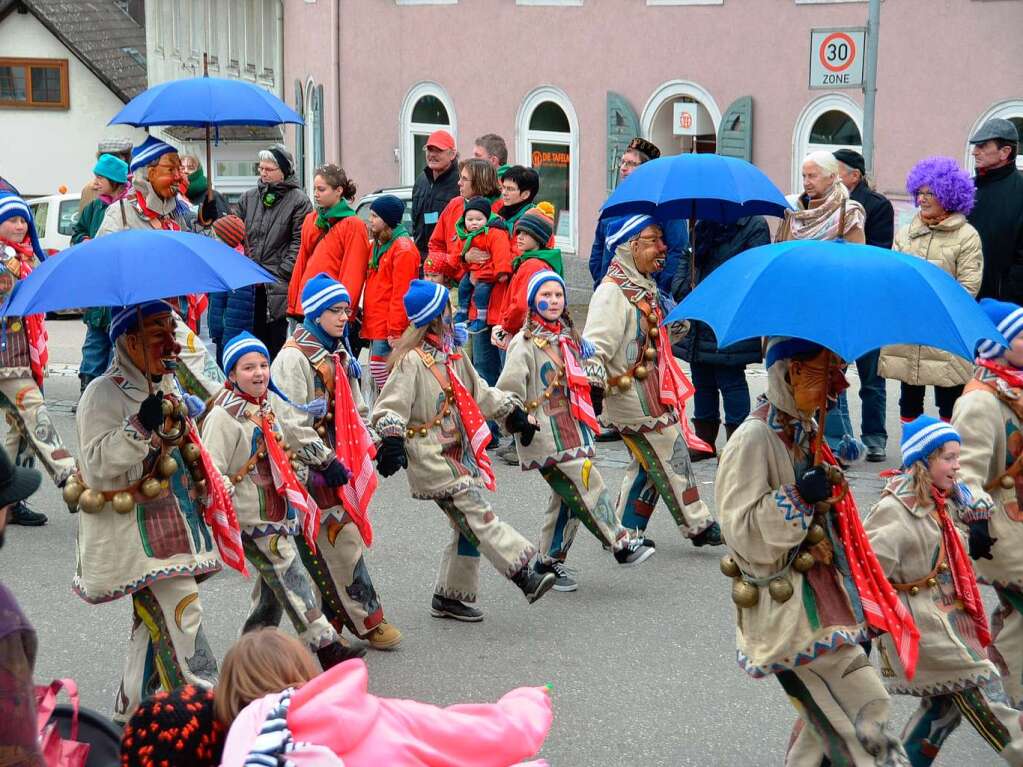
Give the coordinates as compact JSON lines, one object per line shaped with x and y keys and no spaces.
{"x":563,"y":580}
{"x":477,"y":326}
{"x":337,"y":652}
{"x":21,"y":514}
{"x":533,"y":584}
{"x":509,"y":454}
{"x":442,"y":607}
{"x":711,"y":536}
{"x":876,"y":454}
{"x":633,"y":552}
{"x":384,"y":637}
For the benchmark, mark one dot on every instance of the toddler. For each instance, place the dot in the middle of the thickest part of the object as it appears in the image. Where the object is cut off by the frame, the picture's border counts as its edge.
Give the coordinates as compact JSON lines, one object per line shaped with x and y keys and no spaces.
{"x":481,"y":229}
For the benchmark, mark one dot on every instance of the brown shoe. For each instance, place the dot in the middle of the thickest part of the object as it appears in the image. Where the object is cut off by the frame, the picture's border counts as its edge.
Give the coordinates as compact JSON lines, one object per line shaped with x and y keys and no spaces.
{"x":384,"y":637}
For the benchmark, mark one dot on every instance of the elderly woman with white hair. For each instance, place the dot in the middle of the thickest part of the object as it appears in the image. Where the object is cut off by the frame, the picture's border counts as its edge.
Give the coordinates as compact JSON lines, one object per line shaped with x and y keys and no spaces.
{"x":823,"y":211}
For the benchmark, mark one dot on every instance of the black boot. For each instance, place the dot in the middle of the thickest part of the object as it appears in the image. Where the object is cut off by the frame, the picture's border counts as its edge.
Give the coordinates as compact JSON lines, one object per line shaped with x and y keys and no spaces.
{"x":338,"y":652}
{"x":730,"y":430}
{"x":533,"y":584}
{"x":711,"y":536}
{"x":21,"y":514}
{"x":708,"y":432}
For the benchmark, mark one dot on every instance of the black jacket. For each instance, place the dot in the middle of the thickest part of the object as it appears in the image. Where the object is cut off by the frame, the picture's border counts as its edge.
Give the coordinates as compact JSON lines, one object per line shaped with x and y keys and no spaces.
{"x":997,"y":216}
{"x":879,"y":229}
{"x":715,"y":244}
{"x":431,"y":195}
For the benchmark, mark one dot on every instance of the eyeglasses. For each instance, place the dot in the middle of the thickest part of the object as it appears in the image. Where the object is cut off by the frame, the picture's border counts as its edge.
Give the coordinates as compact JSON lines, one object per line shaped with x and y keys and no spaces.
{"x":921,"y":195}
{"x":652,"y":239}
{"x":629,"y":164}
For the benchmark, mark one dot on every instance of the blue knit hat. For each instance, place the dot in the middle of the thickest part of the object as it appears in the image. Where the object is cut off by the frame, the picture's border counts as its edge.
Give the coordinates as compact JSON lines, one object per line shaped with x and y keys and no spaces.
{"x":245,"y":342}
{"x":1008,"y":318}
{"x":539,"y":279}
{"x":148,"y":152}
{"x":621,"y":230}
{"x":321,"y":293}
{"x":783,"y":348}
{"x":10,"y":206}
{"x":389,"y":208}
{"x":125,"y":320}
{"x":424,"y":301}
{"x":113,"y":168}
{"x":923,"y":436}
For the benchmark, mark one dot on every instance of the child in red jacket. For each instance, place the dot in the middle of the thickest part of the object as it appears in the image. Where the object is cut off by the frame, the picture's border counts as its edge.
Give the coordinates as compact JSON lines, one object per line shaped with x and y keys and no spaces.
{"x":482,"y":229}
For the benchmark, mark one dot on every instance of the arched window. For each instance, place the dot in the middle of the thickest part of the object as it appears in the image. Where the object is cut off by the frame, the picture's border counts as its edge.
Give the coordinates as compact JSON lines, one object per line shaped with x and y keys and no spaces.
{"x":675,"y":131}
{"x":1011,"y":110}
{"x":300,"y":133}
{"x":830,"y":122}
{"x":548,"y":135}
{"x":426,"y":108}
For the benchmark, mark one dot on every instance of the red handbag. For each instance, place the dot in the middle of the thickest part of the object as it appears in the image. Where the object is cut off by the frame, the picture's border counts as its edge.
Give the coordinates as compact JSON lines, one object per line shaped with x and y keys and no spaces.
{"x":58,"y":751}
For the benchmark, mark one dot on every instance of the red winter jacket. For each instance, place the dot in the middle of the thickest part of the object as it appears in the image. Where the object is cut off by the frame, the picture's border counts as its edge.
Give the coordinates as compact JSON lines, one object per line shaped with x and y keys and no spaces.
{"x":444,"y":251}
{"x":515,"y":308}
{"x":383,"y":312}
{"x":495,"y":242}
{"x":343,"y":253}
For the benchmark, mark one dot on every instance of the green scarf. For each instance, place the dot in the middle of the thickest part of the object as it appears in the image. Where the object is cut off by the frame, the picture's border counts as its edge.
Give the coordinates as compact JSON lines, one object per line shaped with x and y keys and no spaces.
{"x":324,"y":216}
{"x":552,"y":257}
{"x":468,"y":237}
{"x":197,"y":186}
{"x":381,"y":248}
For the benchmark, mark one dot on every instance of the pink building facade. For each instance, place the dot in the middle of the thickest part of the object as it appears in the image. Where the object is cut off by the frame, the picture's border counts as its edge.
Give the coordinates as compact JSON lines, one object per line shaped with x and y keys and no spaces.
{"x":567,"y":82}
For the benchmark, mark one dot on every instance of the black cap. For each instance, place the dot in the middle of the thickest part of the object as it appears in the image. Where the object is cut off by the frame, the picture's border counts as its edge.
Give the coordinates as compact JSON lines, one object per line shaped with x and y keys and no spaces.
{"x":852,"y":159}
{"x":996,"y":128}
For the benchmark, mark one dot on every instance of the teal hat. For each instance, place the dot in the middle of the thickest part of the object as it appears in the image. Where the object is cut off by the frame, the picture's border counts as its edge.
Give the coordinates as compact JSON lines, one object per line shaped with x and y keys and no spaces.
{"x":113,"y":168}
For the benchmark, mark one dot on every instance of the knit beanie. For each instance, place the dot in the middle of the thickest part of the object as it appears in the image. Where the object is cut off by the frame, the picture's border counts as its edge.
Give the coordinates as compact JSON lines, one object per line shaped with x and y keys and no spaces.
{"x":321,"y":293}
{"x":1008,"y":318}
{"x":622,"y":229}
{"x":924,"y":435}
{"x":783,"y":348}
{"x":126,"y":319}
{"x":113,"y":146}
{"x":424,"y":301}
{"x":539,"y":279}
{"x":113,"y":168}
{"x":481,"y":204}
{"x":10,"y":206}
{"x":176,"y":727}
{"x":230,"y":230}
{"x":148,"y":152}
{"x":280,"y":155}
{"x":537,"y":225}
{"x":390,"y":209}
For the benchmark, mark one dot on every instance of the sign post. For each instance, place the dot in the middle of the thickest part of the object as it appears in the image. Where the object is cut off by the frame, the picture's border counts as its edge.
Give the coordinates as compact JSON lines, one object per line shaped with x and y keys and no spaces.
{"x":836,"y":57}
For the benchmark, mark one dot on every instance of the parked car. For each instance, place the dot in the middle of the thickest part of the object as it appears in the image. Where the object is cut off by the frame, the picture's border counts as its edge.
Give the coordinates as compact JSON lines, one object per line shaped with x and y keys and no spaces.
{"x":403,"y":193}
{"x":55,"y":216}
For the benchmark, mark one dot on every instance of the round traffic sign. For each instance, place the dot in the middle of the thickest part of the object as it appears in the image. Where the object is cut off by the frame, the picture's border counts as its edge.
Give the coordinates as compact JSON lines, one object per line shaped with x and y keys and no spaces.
{"x":837,"y":52}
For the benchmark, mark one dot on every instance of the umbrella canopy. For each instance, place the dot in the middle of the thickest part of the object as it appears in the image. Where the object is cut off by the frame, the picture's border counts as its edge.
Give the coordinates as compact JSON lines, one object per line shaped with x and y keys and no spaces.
{"x":130,"y":267}
{"x":205,"y":102}
{"x":850,"y":298}
{"x":706,"y":186}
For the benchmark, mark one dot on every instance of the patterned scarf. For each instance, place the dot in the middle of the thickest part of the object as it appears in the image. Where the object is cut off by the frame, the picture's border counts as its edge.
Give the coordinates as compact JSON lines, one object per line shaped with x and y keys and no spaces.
{"x":1005,"y":382}
{"x":218,"y":510}
{"x":165,"y":220}
{"x":325,"y":217}
{"x":355,"y":449}
{"x":822,"y":222}
{"x":580,"y":404}
{"x":35,"y":324}
{"x":274,"y":738}
{"x":962,"y":571}
{"x":380,"y":248}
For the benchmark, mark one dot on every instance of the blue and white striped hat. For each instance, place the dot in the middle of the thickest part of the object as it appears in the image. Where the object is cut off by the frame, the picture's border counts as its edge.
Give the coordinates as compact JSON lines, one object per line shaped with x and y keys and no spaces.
{"x":321,"y":293}
{"x":923,"y":436}
{"x":126,"y":319}
{"x":148,"y":152}
{"x":10,"y":206}
{"x":621,"y":230}
{"x":242,"y":344}
{"x":1008,"y":318}
{"x":424,"y":301}
{"x":538,"y":279}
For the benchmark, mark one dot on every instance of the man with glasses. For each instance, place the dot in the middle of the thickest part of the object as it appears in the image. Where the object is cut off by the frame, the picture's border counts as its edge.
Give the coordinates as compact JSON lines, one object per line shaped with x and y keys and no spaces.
{"x":435,"y":187}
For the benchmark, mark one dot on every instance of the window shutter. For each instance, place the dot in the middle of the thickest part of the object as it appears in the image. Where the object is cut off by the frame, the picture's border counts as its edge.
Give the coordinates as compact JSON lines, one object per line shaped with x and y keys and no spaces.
{"x":735,"y":137}
{"x":318,"y":150}
{"x":622,"y":127}
{"x":300,"y":134}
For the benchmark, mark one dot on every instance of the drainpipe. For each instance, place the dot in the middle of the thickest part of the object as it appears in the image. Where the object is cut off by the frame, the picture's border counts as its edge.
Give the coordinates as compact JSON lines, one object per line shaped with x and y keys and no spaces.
{"x":336,"y":31}
{"x":870,"y":84}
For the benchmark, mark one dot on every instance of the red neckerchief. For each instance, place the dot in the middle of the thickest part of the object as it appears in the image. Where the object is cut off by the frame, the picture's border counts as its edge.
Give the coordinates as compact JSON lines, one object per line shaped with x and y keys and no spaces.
{"x":165,"y":221}
{"x":580,"y":404}
{"x":35,"y":324}
{"x":355,"y":449}
{"x":473,"y":422}
{"x":962,"y":571}
{"x":1011,"y":376}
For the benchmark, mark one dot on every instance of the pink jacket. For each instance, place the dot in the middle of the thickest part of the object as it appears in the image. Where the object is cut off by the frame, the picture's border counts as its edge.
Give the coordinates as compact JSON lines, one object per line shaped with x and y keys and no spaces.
{"x":336,"y":711}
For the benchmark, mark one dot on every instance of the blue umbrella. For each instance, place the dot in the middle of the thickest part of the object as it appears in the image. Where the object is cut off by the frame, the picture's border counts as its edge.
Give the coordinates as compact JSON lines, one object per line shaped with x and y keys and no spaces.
{"x":130,"y":267}
{"x":205,"y":102}
{"x":696,"y":186}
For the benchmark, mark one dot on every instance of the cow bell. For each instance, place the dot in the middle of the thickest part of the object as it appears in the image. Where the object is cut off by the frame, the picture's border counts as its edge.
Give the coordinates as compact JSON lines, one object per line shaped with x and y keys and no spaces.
{"x":167,"y":466}
{"x":150,"y":488}
{"x":92,"y":501}
{"x":624,"y":382}
{"x":1008,"y":482}
{"x":640,"y":372}
{"x":728,"y":567}
{"x":745,"y":594}
{"x":650,"y":354}
{"x":803,"y":562}
{"x":167,"y":407}
{"x":72,"y":491}
{"x":122,"y":502}
{"x":780,"y":590}
{"x":190,"y":452}
{"x":815,"y":534}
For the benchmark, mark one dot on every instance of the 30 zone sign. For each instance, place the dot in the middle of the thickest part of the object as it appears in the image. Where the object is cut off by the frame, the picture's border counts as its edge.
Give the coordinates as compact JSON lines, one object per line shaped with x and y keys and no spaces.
{"x":836,"y":58}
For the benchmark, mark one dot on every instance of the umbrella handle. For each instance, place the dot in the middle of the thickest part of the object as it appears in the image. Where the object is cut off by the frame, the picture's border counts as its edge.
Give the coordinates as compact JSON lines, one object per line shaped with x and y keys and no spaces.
{"x":145,"y":349}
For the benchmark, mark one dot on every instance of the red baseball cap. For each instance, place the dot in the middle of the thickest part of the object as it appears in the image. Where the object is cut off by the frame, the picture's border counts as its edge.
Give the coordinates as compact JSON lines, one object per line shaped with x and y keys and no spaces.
{"x":441,"y":139}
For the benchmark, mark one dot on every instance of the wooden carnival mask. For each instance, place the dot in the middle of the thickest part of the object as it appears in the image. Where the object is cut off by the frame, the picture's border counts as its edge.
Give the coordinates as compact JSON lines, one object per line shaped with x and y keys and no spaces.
{"x":154,"y":349}
{"x":812,"y":376}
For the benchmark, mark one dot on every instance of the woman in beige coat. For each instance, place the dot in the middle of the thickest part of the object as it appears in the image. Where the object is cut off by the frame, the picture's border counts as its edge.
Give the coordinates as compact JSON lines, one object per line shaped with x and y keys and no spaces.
{"x":940,"y":234}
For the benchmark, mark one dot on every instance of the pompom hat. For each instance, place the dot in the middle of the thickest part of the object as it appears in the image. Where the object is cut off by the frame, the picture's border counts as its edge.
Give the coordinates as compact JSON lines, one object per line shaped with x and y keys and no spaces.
{"x":537,"y":225}
{"x":10,"y":206}
{"x":1008,"y":318}
{"x":424,"y":301}
{"x":922,"y":436}
{"x":621,"y":230}
{"x":176,"y":727}
{"x":321,"y":293}
{"x":148,"y":152}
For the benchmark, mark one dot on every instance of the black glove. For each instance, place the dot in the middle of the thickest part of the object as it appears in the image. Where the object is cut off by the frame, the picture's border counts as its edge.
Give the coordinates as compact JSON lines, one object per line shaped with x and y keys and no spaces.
{"x":208,"y":210}
{"x":334,"y":473}
{"x":980,"y":540}
{"x":151,"y":411}
{"x":391,"y":456}
{"x":813,"y":485}
{"x":518,"y":423}
{"x":597,"y":398}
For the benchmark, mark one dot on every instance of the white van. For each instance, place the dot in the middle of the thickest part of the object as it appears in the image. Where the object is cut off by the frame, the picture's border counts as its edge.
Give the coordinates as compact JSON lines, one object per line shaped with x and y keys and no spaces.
{"x":55,"y":217}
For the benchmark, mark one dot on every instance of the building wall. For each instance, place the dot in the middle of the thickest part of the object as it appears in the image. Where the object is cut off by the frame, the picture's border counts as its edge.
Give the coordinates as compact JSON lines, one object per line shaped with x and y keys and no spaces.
{"x":46,"y":148}
{"x":935,"y":71}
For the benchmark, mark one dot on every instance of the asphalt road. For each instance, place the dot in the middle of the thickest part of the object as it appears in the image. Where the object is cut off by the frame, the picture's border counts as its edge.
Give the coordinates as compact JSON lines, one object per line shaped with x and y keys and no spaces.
{"x":642,"y":660}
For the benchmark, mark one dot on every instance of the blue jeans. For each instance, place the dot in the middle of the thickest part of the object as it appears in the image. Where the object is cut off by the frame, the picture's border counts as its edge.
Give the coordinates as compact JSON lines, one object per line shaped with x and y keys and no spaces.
{"x":96,"y":354}
{"x":730,"y":381}
{"x":478,"y":294}
{"x":873,"y":401}
{"x":487,"y":361}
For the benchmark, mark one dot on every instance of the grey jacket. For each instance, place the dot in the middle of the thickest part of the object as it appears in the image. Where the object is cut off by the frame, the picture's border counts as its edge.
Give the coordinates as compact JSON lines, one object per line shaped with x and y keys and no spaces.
{"x":273,"y":234}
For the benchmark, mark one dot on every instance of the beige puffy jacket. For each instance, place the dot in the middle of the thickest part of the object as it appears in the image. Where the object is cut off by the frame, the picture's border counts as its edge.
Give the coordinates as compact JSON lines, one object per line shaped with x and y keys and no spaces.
{"x":953,"y":245}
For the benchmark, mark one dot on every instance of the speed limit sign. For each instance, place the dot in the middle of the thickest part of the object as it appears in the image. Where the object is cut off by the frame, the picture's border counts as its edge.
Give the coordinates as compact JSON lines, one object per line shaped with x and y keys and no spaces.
{"x":836,"y":57}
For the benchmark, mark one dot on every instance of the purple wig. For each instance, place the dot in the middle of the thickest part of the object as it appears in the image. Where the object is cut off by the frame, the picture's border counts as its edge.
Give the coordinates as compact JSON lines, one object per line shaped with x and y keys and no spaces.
{"x":951,"y":185}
